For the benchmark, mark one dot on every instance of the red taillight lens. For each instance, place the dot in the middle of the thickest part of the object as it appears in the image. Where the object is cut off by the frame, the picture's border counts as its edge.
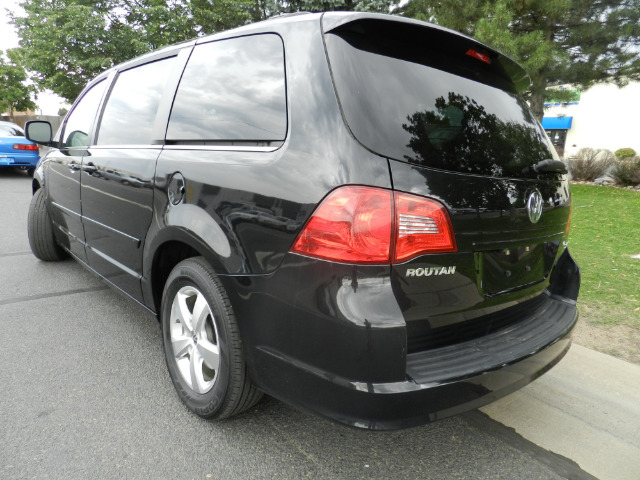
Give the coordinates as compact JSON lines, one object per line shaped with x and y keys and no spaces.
{"x":356,"y":224}
{"x":22,"y":146}
{"x":422,"y":226}
{"x":352,"y":225}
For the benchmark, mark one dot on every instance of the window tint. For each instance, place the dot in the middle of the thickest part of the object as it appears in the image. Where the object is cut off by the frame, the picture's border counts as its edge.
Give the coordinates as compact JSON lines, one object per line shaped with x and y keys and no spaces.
{"x":133,"y":103}
{"x":232,"y":90}
{"x":79,"y":122}
{"x":403,"y":101}
{"x":10,"y":130}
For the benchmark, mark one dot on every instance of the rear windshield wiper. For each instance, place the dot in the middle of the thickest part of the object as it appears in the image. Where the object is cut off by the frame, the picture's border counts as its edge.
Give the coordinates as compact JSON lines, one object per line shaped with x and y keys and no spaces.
{"x":547,"y":166}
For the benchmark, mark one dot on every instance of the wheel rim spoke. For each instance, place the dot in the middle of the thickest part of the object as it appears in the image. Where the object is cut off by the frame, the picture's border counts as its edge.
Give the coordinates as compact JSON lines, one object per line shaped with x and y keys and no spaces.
{"x":209,"y":353}
{"x":183,"y":314}
{"x":200,"y":312}
{"x":181,"y":346}
{"x":198,"y":383}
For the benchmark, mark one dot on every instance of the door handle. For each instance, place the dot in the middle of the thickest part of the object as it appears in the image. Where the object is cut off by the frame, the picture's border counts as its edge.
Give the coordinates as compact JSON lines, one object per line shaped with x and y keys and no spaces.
{"x":89,"y":168}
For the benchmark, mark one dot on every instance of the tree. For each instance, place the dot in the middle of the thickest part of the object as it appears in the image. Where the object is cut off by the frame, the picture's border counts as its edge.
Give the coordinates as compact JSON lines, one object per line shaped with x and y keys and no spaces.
{"x":580,"y":42}
{"x":68,"y":42}
{"x":15,"y":94}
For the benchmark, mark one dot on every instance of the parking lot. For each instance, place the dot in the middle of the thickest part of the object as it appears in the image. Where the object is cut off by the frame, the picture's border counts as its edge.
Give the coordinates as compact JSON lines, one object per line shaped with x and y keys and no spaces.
{"x":85,"y":394}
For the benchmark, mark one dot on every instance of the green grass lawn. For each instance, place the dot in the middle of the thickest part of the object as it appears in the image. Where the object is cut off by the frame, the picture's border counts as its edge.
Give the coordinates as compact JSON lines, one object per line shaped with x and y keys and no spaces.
{"x":605,"y":232}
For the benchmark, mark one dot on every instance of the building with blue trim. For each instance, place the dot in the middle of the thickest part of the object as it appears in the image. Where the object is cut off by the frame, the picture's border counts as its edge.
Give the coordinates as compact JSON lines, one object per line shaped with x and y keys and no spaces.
{"x":603,"y":116}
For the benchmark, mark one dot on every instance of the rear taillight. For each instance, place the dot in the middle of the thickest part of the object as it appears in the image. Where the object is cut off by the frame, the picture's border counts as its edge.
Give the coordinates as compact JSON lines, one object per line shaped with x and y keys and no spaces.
{"x":352,"y":225}
{"x":23,"y":146}
{"x":423,"y":226}
{"x":355,"y":224}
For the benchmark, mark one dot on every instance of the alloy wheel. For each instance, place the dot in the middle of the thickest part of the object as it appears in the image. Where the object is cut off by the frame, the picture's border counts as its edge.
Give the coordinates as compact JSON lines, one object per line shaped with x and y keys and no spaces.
{"x":194,"y":339}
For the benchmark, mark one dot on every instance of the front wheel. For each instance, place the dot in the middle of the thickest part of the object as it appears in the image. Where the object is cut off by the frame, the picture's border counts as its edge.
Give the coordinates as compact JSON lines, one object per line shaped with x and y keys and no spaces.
{"x":40,"y":230}
{"x":202,"y":343}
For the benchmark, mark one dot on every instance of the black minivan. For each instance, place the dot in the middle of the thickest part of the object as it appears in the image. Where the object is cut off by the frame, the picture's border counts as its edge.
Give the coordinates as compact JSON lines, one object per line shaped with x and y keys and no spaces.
{"x":354,"y":213}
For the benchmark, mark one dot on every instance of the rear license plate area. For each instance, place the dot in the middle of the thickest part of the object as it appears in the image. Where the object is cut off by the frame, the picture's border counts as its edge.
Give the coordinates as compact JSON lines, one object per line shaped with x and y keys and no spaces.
{"x":515,"y":267}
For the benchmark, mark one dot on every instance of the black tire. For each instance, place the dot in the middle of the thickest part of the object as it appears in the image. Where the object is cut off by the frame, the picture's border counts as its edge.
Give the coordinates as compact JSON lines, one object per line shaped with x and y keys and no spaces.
{"x":41,"y":239}
{"x":211,"y":388}
{"x":30,"y":171}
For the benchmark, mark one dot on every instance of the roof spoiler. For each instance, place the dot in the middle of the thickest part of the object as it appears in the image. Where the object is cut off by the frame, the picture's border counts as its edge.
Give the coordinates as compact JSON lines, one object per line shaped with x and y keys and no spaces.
{"x":433,"y":34}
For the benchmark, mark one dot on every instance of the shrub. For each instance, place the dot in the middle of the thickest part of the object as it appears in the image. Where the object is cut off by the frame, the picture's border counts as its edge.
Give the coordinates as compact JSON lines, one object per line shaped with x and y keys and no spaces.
{"x":625,"y":153}
{"x":590,"y":163}
{"x":627,"y":171}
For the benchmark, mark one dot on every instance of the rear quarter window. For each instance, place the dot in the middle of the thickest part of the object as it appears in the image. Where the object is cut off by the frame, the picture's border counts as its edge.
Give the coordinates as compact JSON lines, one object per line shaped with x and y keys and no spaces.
{"x":232,"y":90}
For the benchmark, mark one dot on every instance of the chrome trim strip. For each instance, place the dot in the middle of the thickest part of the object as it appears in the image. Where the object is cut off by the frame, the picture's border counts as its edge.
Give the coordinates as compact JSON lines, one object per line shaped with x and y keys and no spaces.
{"x":112,"y":229}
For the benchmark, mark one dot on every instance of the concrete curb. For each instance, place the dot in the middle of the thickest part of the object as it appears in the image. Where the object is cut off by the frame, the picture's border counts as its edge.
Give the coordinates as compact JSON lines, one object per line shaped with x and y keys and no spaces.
{"x":587,"y":408}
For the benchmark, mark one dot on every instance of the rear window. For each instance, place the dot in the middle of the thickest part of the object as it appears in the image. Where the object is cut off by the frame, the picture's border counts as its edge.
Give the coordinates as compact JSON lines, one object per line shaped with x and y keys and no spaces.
{"x":10,"y":131}
{"x":414,"y":94}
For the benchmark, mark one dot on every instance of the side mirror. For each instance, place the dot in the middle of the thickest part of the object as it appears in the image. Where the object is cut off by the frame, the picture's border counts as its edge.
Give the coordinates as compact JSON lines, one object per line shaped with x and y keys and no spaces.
{"x":40,"y":132}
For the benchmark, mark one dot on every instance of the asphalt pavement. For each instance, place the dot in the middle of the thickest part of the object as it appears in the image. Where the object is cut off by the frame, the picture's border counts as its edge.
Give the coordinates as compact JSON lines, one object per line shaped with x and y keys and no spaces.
{"x":84,"y":393}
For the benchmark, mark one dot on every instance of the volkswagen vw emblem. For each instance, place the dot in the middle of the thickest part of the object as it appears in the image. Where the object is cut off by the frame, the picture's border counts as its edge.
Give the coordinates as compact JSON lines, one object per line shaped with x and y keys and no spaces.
{"x":534,"y":206}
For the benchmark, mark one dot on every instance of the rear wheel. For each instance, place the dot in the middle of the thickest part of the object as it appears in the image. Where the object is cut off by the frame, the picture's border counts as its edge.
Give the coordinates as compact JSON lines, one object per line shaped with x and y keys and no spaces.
{"x":40,"y":230}
{"x":202,"y":343}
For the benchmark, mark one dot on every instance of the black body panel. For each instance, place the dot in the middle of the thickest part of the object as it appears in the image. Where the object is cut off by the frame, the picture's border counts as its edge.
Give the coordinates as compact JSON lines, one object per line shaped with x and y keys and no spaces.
{"x":503,"y":258}
{"x":379,"y":346}
{"x":337,"y":345}
{"x":260,"y":197}
{"x":64,"y":197}
{"x":117,"y":200}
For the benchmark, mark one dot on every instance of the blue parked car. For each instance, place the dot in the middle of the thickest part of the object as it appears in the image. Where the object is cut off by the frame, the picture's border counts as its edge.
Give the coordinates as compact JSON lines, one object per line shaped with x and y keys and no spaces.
{"x":15,"y":149}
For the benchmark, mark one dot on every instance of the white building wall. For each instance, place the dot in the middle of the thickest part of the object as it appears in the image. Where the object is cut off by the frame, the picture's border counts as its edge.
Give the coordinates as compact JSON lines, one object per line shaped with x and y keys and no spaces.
{"x":605,"y":117}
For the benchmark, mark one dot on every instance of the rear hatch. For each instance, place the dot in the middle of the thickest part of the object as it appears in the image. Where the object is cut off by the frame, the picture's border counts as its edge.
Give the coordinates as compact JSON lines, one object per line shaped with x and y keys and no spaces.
{"x":445,"y":110}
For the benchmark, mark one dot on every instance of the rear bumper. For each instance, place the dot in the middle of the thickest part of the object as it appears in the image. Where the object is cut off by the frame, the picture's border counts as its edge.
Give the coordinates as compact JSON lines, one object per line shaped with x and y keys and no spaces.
{"x":332,"y":339}
{"x":439,"y":383}
{"x":19,"y":160}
